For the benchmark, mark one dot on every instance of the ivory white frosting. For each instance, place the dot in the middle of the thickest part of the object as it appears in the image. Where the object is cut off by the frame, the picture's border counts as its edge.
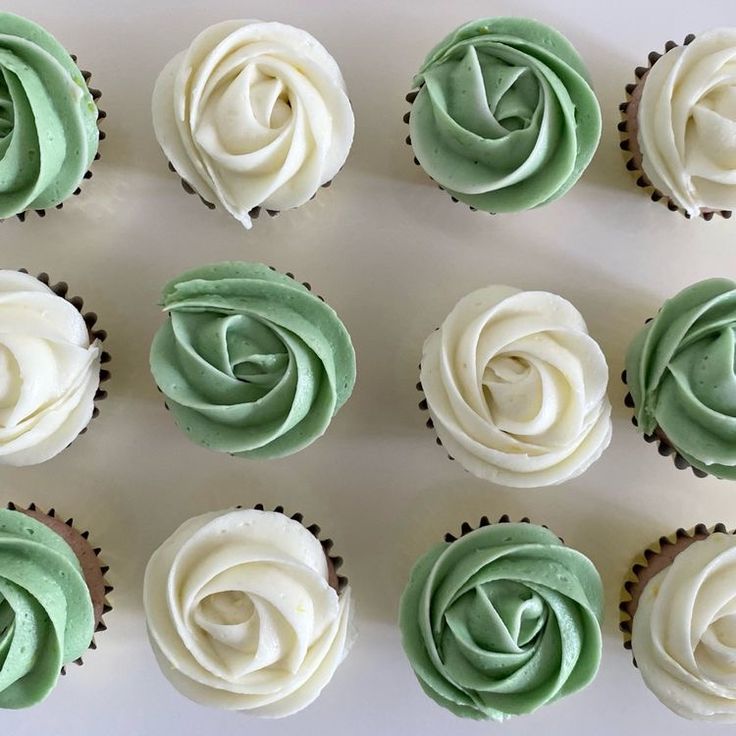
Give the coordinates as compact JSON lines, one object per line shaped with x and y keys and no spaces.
{"x":516,"y":387}
{"x":49,"y":372}
{"x":687,"y":123}
{"x":684,"y":631}
{"x":254,"y":114}
{"x":241,"y":615}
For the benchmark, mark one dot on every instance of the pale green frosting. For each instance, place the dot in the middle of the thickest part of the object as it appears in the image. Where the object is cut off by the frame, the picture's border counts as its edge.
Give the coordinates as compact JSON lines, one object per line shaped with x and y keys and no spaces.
{"x":250,"y":361}
{"x":502,"y":621}
{"x":680,"y":371}
{"x":505,"y":118}
{"x":48,"y":120}
{"x":46,"y":614}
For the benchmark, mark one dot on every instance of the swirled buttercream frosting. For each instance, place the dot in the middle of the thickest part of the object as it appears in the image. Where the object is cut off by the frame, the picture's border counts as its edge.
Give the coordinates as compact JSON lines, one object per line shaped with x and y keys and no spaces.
{"x":49,"y":371}
{"x":686,"y":123}
{"x":250,"y":361}
{"x":502,"y":621}
{"x":516,"y":387}
{"x":46,"y":613}
{"x":680,"y":371}
{"x":684,"y":631}
{"x":48,"y":120}
{"x":253,"y":114}
{"x":505,"y":118}
{"x":241,"y":614}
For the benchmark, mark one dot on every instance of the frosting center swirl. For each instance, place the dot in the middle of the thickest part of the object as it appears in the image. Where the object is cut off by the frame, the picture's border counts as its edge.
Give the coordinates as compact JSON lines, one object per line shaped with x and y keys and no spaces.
{"x":687,"y":123}
{"x":684,"y":631}
{"x":680,"y":371}
{"x":251,"y":363}
{"x":516,"y":387}
{"x":49,"y":371}
{"x":241,"y":613}
{"x":46,"y":614}
{"x":48,"y":120}
{"x":505,"y":118}
{"x":502,"y":621}
{"x":254,"y":114}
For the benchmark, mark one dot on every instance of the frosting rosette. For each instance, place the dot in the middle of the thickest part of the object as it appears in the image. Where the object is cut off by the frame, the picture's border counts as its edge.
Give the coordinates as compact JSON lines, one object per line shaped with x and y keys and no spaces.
{"x":250,"y":361}
{"x":683,"y":634}
{"x":516,"y":387}
{"x":680,"y":372}
{"x":46,"y":612}
{"x":48,"y":119}
{"x":49,"y":371}
{"x":686,"y":123}
{"x":502,"y":621}
{"x":505,"y":118}
{"x":254,"y":114}
{"x":241,"y":613}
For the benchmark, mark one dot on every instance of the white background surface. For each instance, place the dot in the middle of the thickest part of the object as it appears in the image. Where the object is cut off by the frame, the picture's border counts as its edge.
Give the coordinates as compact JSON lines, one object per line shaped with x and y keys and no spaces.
{"x":392,"y":254}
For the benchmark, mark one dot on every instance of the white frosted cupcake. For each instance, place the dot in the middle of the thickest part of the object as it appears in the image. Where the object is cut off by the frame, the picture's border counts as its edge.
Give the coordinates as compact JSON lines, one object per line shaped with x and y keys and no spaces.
{"x":678,"y":125}
{"x":253,"y":115}
{"x":50,"y":368}
{"x":516,"y":388}
{"x":245,"y":611}
{"x":678,"y":615}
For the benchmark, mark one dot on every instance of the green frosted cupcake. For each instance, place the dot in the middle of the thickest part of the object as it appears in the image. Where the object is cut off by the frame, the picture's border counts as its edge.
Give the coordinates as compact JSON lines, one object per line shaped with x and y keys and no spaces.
{"x":48,"y":120}
{"x":502,"y":620}
{"x":680,"y":375}
{"x":504,"y":117}
{"x":52,"y":600}
{"x":250,"y":361}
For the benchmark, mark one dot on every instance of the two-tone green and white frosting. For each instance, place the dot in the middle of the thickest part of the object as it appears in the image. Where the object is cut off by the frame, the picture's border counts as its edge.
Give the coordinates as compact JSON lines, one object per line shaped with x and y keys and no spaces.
{"x":250,"y":361}
{"x":680,"y":371}
{"x":502,"y":621}
{"x":46,"y":613}
{"x":505,"y":118}
{"x":48,"y":120}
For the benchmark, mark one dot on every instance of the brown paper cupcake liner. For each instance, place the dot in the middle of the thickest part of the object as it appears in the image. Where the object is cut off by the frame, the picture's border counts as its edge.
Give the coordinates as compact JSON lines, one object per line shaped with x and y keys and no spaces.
{"x":410,"y":97}
{"x":467,"y":528}
{"x":664,"y":446}
{"x":93,"y":569}
{"x":649,"y":563}
{"x":101,"y":115}
{"x":90,"y":319}
{"x":424,"y":406}
{"x":254,"y":214}
{"x":629,"y":127}
{"x":334,"y":562}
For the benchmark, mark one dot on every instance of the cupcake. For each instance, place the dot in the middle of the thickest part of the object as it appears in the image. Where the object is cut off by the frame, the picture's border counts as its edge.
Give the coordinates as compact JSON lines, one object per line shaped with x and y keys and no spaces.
{"x":245,"y":611}
{"x":250,"y":362}
{"x":678,"y":123}
{"x":677,"y":615}
{"x":48,"y":120}
{"x":503,"y":116}
{"x":502,"y":620}
{"x":516,"y":388}
{"x":252,"y":116}
{"x":680,"y":375}
{"x":50,"y":368}
{"x":52,"y":600}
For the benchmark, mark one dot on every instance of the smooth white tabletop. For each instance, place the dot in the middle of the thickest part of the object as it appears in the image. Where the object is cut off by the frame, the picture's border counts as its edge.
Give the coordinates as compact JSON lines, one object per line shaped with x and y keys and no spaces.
{"x":392,"y":254}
